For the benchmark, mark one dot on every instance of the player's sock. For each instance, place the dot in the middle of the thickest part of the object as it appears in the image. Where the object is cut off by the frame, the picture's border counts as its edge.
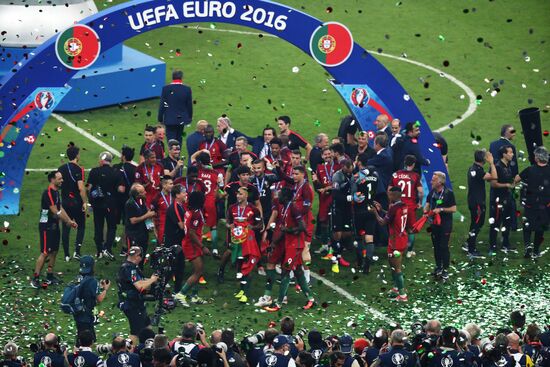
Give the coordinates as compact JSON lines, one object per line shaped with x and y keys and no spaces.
{"x":394,"y":277}
{"x":245,"y":283}
{"x":307,"y":275}
{"x":539,"y":237}
{"x":370,"y":250}
{"x":283,"y":289}
{"x":195,"y":290}
{"x":410,"y":244}
{"x":400,"y":282}
{"x":304,"y":284}
{"x":270,"y":275}
{"x":214,"y":238}
{"x":186,"y":288}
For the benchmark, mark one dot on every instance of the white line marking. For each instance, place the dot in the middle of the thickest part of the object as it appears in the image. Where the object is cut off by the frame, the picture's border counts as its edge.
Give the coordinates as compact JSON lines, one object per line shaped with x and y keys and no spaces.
{"x":47,"y":169}
{"x":327,"y":282}
{"x":472,"y":106}
{"x":352,"y":298}
{"x":86,"y":134}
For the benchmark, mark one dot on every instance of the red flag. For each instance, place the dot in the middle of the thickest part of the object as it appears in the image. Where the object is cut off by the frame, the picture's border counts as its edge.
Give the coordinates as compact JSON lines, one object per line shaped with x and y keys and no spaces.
{"x":417,"y":226}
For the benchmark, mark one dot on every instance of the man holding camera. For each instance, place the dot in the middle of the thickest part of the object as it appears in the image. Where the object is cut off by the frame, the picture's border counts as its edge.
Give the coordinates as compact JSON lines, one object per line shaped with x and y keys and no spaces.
{"x":120,"y":356}
{"x":446,"y":353}
{"x":83,"y":355}
{"x":186,"y":343}
{"x":91,"y":293}
{"x":131,"y":286}
{"x":280,"y":356}
{"x":397,"y":356}
{"x":50,"y":354}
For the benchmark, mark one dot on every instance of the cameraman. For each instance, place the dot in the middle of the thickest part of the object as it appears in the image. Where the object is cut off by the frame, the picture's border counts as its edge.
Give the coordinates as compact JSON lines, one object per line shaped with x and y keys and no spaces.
{"x":232,"y":353}
{"x":120,"y":356}
{"x":50,"y":355}
{"x":186,"y":343}
{"x":495,"y":354}
{"x":280,"y":356}
{"x":446,"y":353}
{"x":379,"y":341}
{"x":161,"y":358}
{"x":83,"y":355}
{"x":397,"y":356}
{"x":131,"y":285}
{"x":10,"y":356}
{"x":91,"y":293}
{"x":297,"y":343}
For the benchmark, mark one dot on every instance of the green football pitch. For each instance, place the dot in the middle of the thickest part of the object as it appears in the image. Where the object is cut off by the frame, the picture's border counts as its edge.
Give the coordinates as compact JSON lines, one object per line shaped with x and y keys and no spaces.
{"x":497,"y":48}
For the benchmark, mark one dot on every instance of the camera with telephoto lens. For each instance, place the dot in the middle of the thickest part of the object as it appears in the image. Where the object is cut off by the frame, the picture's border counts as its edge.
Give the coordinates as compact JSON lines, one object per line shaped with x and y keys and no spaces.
{"x":250,"y":341}
{"x":103,"y":348}
{"x":220,"y":347}
{"x":200,"y":330}
{"x":146,"y":353}
{"x":300,"y":334}
{"x":40,"y":346}
{"x":162,"y":260}
{"x":183,"y":360}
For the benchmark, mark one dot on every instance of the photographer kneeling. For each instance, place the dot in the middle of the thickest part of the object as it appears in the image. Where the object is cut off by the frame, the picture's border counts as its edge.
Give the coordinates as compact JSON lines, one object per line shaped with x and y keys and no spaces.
{"x":120,"y":356}
{"x":83,"y":355}
{"x":132,"y":284}
{"x":50,"y":354}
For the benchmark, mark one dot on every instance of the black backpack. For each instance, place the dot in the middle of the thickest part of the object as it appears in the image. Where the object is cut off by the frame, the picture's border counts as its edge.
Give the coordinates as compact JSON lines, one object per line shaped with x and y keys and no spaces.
{"x":71,"y":301}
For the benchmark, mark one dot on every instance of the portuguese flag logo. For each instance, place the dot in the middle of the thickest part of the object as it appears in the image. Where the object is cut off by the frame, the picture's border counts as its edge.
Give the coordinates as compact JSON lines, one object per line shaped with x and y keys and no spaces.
{"x":331,"y":44}
{"x":78,"y":47}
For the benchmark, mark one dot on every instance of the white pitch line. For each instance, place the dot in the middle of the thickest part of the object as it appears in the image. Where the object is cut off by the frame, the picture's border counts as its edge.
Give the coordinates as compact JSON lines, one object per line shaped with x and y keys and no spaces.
{"x":47,"y":169}
{"x":327,"y":282}
{"x":472,"y":106}
{"x":352,"y":298}
{"x":86,"y":134}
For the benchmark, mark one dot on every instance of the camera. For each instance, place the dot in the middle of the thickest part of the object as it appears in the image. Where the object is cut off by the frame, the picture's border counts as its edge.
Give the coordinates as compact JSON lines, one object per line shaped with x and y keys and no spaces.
{"x":183,"y":360}
{"x":146,"y":353}
{"x":300,"y":334}
{"x":97,"y":193}
{"x":221,"y":346}
{"x":103,"y":348}
{"x":200,"y":331}
{"x":250,"y":341}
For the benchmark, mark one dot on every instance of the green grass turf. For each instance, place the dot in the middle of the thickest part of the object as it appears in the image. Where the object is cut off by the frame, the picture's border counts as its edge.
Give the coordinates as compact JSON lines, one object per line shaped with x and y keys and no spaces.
{"x":253,"y":84}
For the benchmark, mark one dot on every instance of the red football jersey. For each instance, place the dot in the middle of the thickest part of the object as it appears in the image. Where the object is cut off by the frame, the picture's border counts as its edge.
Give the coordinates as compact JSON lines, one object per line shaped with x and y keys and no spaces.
{"x":193,"y":221}
{"x":150,"y":178}
{"x":209,"y":178}
{"x":303,"y":197}
{"x":190,"y":187}
{"x":160,"y":205}
{"x":408,"y":182}
{"x":325,"y":171}
{"x":397,"y":223}
{"x":216,"y":148}
{"x":291,"y":217}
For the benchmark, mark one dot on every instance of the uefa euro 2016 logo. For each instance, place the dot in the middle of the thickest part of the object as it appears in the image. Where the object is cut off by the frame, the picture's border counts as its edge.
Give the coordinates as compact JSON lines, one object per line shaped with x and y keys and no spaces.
{"x":44,"y":100}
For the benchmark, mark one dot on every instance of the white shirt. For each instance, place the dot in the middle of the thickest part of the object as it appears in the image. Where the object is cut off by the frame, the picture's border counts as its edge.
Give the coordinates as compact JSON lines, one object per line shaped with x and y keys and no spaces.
{"x":223,"y":137}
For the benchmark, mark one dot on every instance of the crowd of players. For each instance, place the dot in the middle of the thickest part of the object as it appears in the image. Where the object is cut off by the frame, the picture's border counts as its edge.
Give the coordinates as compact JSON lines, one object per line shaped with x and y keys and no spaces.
{"x":427,"y":344}
{"x":260,"y":192}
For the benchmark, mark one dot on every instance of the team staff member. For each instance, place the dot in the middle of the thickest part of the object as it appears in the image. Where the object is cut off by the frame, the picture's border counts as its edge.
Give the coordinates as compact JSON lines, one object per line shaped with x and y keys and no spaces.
{"x":441,"y":201}
{"x":501,"y":208}
{"x":295,"y":140}
{"x":127,"y":173}
{"x":92,"y":292}
{"x":396,"y":218}
{"x":363,"y":189}
{"x":103,"y":182}
{"x":193,"y":248}
{"x":411,"y":186}
{"x":139,"y":219}
{"x":173,"y":164}
{"x":73,"y":199}
{"x":341,"y":213}
{"x":174,"y":230}
{"x":48,"y":229}
{"x":408,"y":145}
{"x":537,"y":201}
{"x":175,"y":106}
{"x":132,"y":284}
{"x":476,"y":196}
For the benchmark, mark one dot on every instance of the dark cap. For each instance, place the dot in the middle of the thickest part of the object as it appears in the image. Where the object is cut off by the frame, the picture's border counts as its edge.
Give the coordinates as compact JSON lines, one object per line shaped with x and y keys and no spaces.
{"x":450,"y":335}
{"x":315,"y":340}
{"x":346,"y":343}
{"x":280,"y":341}
{"x":86,"y":264}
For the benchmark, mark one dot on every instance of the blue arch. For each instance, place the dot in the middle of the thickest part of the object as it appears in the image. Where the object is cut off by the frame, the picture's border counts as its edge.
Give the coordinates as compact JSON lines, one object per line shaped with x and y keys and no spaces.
{"x":21,"y":120}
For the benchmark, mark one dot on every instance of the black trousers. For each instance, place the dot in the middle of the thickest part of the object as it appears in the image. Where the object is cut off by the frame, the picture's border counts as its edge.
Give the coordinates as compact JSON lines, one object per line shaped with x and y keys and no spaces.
{"x":76,"y":214}
{"x":80,"y":326}
{"x":381,"y":235}
{"x":102,"y":216}
{"x":477,"y":219}
{"x":440,"y":241}
{"x":502,"y":212}
{"x":536,"y":220}
{"x":174,"y":132}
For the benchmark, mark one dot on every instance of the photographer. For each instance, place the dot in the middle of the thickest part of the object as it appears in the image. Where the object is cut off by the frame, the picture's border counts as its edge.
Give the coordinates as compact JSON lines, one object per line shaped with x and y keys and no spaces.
{"x":145,"y":347}
{"x":232,"y":351}
{"x":138,"y":220}
{"x":257,"y":345}
{"x":379,"y":341}
{"x":120,"y":356}
{"x":522,"y":359}
{"x":280,"y":356}
{"x":186,"y":343}
{"x":10,"y":356}
{"x":132,"y":284}
{"x":495,"y":353}
{"x":50,"y":354}
{"x":161,"y":358}
{"x":397,"y":356}
{"x":92,"y":292}
{"x":287,"y":328}
{"x":446,"y":353}
{"x":83,"y":355}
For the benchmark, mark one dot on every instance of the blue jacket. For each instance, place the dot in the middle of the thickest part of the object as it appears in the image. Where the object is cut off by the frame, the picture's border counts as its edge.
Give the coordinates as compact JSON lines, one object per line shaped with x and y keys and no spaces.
{"x":383,"y":164}
{"x":397,"y":357}
{"x":176,"y":105}
{"x":408,"y":146}
{"x":231,"y":137}
{"x":193,"y":142}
